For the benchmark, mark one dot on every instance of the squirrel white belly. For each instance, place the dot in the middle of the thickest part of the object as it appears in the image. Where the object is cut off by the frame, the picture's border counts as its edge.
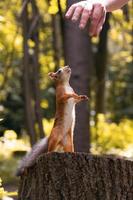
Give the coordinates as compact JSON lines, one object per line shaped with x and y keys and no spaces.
{"x":61,"y":137}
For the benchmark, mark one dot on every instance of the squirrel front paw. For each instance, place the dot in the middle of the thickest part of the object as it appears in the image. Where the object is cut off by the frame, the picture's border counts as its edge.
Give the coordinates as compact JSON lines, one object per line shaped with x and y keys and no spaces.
{"x":83,"y":97}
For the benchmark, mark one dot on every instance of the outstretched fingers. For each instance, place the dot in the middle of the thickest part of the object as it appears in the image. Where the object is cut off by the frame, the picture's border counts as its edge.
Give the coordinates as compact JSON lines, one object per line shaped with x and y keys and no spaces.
{"x":82,"y":11}
{"x":70,"y":11}
{"x":97,"y":19}
{"x":86,"y":13}
{"x":77,"y":13}
{"x":100,"y":26}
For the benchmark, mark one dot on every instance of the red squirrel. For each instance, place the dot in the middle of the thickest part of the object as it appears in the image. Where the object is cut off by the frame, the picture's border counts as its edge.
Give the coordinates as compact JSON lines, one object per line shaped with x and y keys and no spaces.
{"x":61,"y":137}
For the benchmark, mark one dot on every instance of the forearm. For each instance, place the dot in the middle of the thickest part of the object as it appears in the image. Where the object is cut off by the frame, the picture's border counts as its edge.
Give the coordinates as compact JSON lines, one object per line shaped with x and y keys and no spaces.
{"x":112,"y":5}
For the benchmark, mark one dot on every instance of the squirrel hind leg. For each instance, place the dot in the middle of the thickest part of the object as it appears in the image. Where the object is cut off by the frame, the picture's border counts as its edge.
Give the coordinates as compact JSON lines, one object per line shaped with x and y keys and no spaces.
{"x":68,"y":146}
{"x":54,"y":139}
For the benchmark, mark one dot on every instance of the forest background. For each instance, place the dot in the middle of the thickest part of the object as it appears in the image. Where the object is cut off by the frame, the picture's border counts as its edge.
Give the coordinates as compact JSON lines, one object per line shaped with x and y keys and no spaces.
{"x":35,"y":39}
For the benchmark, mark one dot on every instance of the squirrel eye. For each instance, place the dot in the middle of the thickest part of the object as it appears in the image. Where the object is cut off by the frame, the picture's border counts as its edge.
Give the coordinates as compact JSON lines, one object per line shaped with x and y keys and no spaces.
{"x":59,"y":71}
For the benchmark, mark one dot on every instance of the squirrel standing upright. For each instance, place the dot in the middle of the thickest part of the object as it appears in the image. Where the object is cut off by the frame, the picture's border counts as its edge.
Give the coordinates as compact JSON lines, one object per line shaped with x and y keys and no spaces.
{"x":61,"y":137}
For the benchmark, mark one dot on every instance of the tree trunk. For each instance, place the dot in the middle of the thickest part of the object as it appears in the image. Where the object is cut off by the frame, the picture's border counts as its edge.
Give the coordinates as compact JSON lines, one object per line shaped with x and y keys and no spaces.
{"x":26,"y":82}
{"x":35,"y":38}
{"x":58,"y":36}
{"x":57,"y":41}
{"x":100,"y":66}
{"x":61,"y":26}
{"x":78,"y":55}
{"x":31,"y":70}
{"x":78,"y":176}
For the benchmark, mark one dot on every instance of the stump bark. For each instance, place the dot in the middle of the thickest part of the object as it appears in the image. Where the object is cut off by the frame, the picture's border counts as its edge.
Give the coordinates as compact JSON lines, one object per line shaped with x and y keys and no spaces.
{"x":78,"y":176}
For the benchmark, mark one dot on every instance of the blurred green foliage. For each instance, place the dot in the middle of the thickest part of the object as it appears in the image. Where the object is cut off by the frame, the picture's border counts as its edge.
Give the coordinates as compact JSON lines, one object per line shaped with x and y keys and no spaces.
{"x":2,"y":191}
{"x":109,"y":137}
{"x":120,"y":65}
{"x":4,"y":194}
{"x":9,"y":144}
{"x":11,"y":96}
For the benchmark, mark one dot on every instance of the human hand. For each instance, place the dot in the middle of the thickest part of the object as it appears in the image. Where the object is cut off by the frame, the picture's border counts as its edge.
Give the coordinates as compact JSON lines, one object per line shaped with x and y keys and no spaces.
{"x":93,"y":10}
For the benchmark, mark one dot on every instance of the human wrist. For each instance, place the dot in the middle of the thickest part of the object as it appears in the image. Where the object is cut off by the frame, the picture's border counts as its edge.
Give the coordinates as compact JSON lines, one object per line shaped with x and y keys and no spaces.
{"x":104,"y":3}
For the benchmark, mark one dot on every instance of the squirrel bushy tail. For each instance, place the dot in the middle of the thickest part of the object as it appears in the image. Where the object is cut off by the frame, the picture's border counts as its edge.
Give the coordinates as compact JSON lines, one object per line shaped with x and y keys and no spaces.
{"x":30,"y":158}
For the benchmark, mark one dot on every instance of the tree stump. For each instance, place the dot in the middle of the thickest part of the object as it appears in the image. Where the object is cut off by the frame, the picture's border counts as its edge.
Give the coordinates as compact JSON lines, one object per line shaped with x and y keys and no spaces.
{"x":78,"y":176}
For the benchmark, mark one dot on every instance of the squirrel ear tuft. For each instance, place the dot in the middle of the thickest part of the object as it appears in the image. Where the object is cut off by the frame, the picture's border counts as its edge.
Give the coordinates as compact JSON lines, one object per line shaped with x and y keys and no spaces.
{"x":52,"y":75}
